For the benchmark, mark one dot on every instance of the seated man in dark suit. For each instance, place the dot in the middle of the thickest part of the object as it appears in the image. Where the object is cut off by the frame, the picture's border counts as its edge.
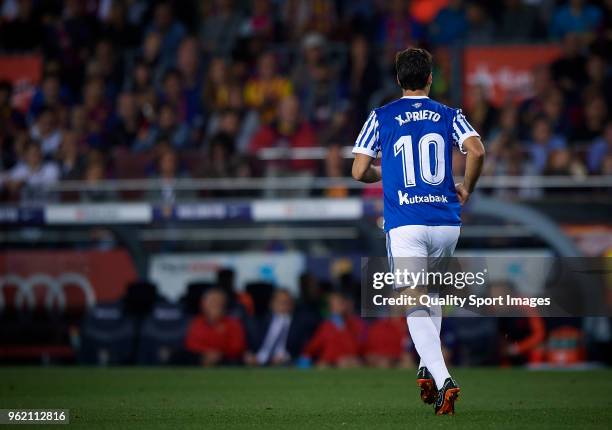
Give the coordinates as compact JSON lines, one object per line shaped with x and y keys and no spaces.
{"x":278,"y":337}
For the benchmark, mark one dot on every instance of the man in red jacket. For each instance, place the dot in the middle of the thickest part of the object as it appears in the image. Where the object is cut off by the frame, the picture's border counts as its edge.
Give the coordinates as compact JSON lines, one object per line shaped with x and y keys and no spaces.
{"x":385,"y":345}
{"x":287,"y":132}
{"x":215,"y":336}
{"x":339,"y":340}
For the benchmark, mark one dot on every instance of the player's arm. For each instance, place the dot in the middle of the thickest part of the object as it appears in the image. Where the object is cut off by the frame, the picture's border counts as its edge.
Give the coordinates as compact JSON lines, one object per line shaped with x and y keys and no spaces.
{"x":366,"y":150}
{"x":364,"y":171}
{"x":473,"y":167}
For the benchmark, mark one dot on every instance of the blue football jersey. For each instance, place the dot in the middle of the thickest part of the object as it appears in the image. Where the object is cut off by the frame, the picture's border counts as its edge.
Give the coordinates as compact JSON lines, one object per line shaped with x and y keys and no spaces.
{"x":416,"y":136}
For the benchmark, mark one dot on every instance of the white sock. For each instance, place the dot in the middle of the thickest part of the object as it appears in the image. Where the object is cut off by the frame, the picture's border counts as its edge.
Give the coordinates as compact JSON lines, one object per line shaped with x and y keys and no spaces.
{"x":435,"y":313}
{"x":427,"y":343}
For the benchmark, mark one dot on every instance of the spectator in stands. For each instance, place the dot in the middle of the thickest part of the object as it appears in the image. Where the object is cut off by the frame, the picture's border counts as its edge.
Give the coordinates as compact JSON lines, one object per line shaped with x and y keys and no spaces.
{"x":397,"y":29}
{"x":151,"y":57}
{"x":606,"y":166}
{"x":599,"y":81}
{"x":480,"y":26}
{"x":519,"y":22}
{"x":97,"y":108}
{"x":217,"y":86}
{"x":70,"y":161}
{"x":505,"y":157}
{"x":220,"y":27}
{"x":127,"y":124}
{"x":31,"y":176}
{"x":289,"y":131}
{"x":363,"y":76}
{"x":532,"y":107}
{"x":10,"y":118}
{"x":167,"y":127}
{"x":561,"y":162}
{"x":576,"y":16}
{"x":261,"y":21}
{"x":450,"y":25}
{"x":118,"y":29}
{"x":46,"y":131}
{"x":267,"y":88}
{"x":95,"y":173}
{"x":173,"y":95}
{"x":24,"y":32}
{"x":304,"y":16}
{"x":188,"y":65}
{"x":313,"y":51}
{"x":109,"y":66}
{"x":605,"y":30}
{"x":77,"y":122}
{"x":167,"y":171}
{"x":322,"y":96}
{"x":340,"y":126}
{"x":313,"y":56}
{"x":542,"y":143}
{"x":277,"y":338}
{"x":507,"y":124}
{"x":82,"y":26}
{"x":385,"y":345}
{"x":140,"y":78}
{"x":220,"y":162}
{"x":569,"y":70}
{"x":555,"y":110}
{"x":236,"y":122}
{"x":595,"y":115}
{"x":213,"y":336}
{"x":339,"y":339}
{"x":335,"y":168}
{"x":599,"y":150}
{"x":170,"y":30}
{"x":482,"y":113}
{"x":48,"y":95}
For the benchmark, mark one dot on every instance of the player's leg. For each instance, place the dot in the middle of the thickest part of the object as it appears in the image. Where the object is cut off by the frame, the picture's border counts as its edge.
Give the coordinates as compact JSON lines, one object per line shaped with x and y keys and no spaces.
{"x":426,"y":340}
{"x":408,"y":249}
{"x":442,"y":242}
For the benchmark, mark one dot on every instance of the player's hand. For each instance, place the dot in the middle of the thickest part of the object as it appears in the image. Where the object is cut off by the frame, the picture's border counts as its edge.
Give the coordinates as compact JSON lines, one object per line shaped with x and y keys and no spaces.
{"x":462,"y":193}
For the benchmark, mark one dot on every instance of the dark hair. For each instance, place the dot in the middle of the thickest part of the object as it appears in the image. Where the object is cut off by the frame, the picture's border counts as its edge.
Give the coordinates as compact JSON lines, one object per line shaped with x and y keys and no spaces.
{"x":413,"y":67}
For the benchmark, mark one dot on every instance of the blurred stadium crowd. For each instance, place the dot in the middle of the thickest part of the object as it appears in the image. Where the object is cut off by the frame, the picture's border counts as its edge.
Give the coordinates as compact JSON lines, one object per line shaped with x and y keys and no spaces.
{"x":169,"y":89}
{"x":213,"y":324}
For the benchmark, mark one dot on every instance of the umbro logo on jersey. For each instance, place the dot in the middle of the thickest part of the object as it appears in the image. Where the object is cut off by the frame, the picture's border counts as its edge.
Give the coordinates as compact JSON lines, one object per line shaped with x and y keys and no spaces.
{"x":417,"y":105}
{"x":405,"y":199}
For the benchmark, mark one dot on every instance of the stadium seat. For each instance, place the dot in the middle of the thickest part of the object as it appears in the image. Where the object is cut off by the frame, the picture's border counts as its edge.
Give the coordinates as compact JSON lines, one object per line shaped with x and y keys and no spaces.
{"x":107,"y":336}
{"x":162,"y":335}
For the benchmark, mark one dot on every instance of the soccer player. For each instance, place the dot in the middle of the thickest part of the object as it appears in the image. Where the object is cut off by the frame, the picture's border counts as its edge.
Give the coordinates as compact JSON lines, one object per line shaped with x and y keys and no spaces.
{"x":422,"y":205}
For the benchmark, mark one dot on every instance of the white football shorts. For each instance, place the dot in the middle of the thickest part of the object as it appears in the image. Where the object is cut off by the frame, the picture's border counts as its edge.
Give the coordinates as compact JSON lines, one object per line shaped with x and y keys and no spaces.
{"x":419,"y":248}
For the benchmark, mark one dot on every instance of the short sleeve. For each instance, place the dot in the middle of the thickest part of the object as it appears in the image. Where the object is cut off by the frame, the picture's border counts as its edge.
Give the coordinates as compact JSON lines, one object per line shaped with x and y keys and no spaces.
{"x":368,"y":140}
{"x":462,"y":129}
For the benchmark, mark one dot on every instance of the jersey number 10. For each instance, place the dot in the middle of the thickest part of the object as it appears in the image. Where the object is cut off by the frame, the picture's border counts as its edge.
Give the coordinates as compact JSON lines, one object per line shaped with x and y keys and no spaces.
{"x":429,"y":175}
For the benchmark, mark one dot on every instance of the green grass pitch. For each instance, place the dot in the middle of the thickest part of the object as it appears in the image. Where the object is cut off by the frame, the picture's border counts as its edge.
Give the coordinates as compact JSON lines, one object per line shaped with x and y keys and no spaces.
{"x":156,"y":398}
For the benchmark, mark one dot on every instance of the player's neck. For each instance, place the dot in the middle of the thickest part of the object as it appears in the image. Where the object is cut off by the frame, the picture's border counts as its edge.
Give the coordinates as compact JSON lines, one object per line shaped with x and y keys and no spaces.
{"x":415,"y":93}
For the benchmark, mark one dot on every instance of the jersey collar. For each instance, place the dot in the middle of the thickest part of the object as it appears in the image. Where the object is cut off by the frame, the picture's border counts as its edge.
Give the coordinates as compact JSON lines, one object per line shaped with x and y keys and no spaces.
{"x":415,"y":97}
